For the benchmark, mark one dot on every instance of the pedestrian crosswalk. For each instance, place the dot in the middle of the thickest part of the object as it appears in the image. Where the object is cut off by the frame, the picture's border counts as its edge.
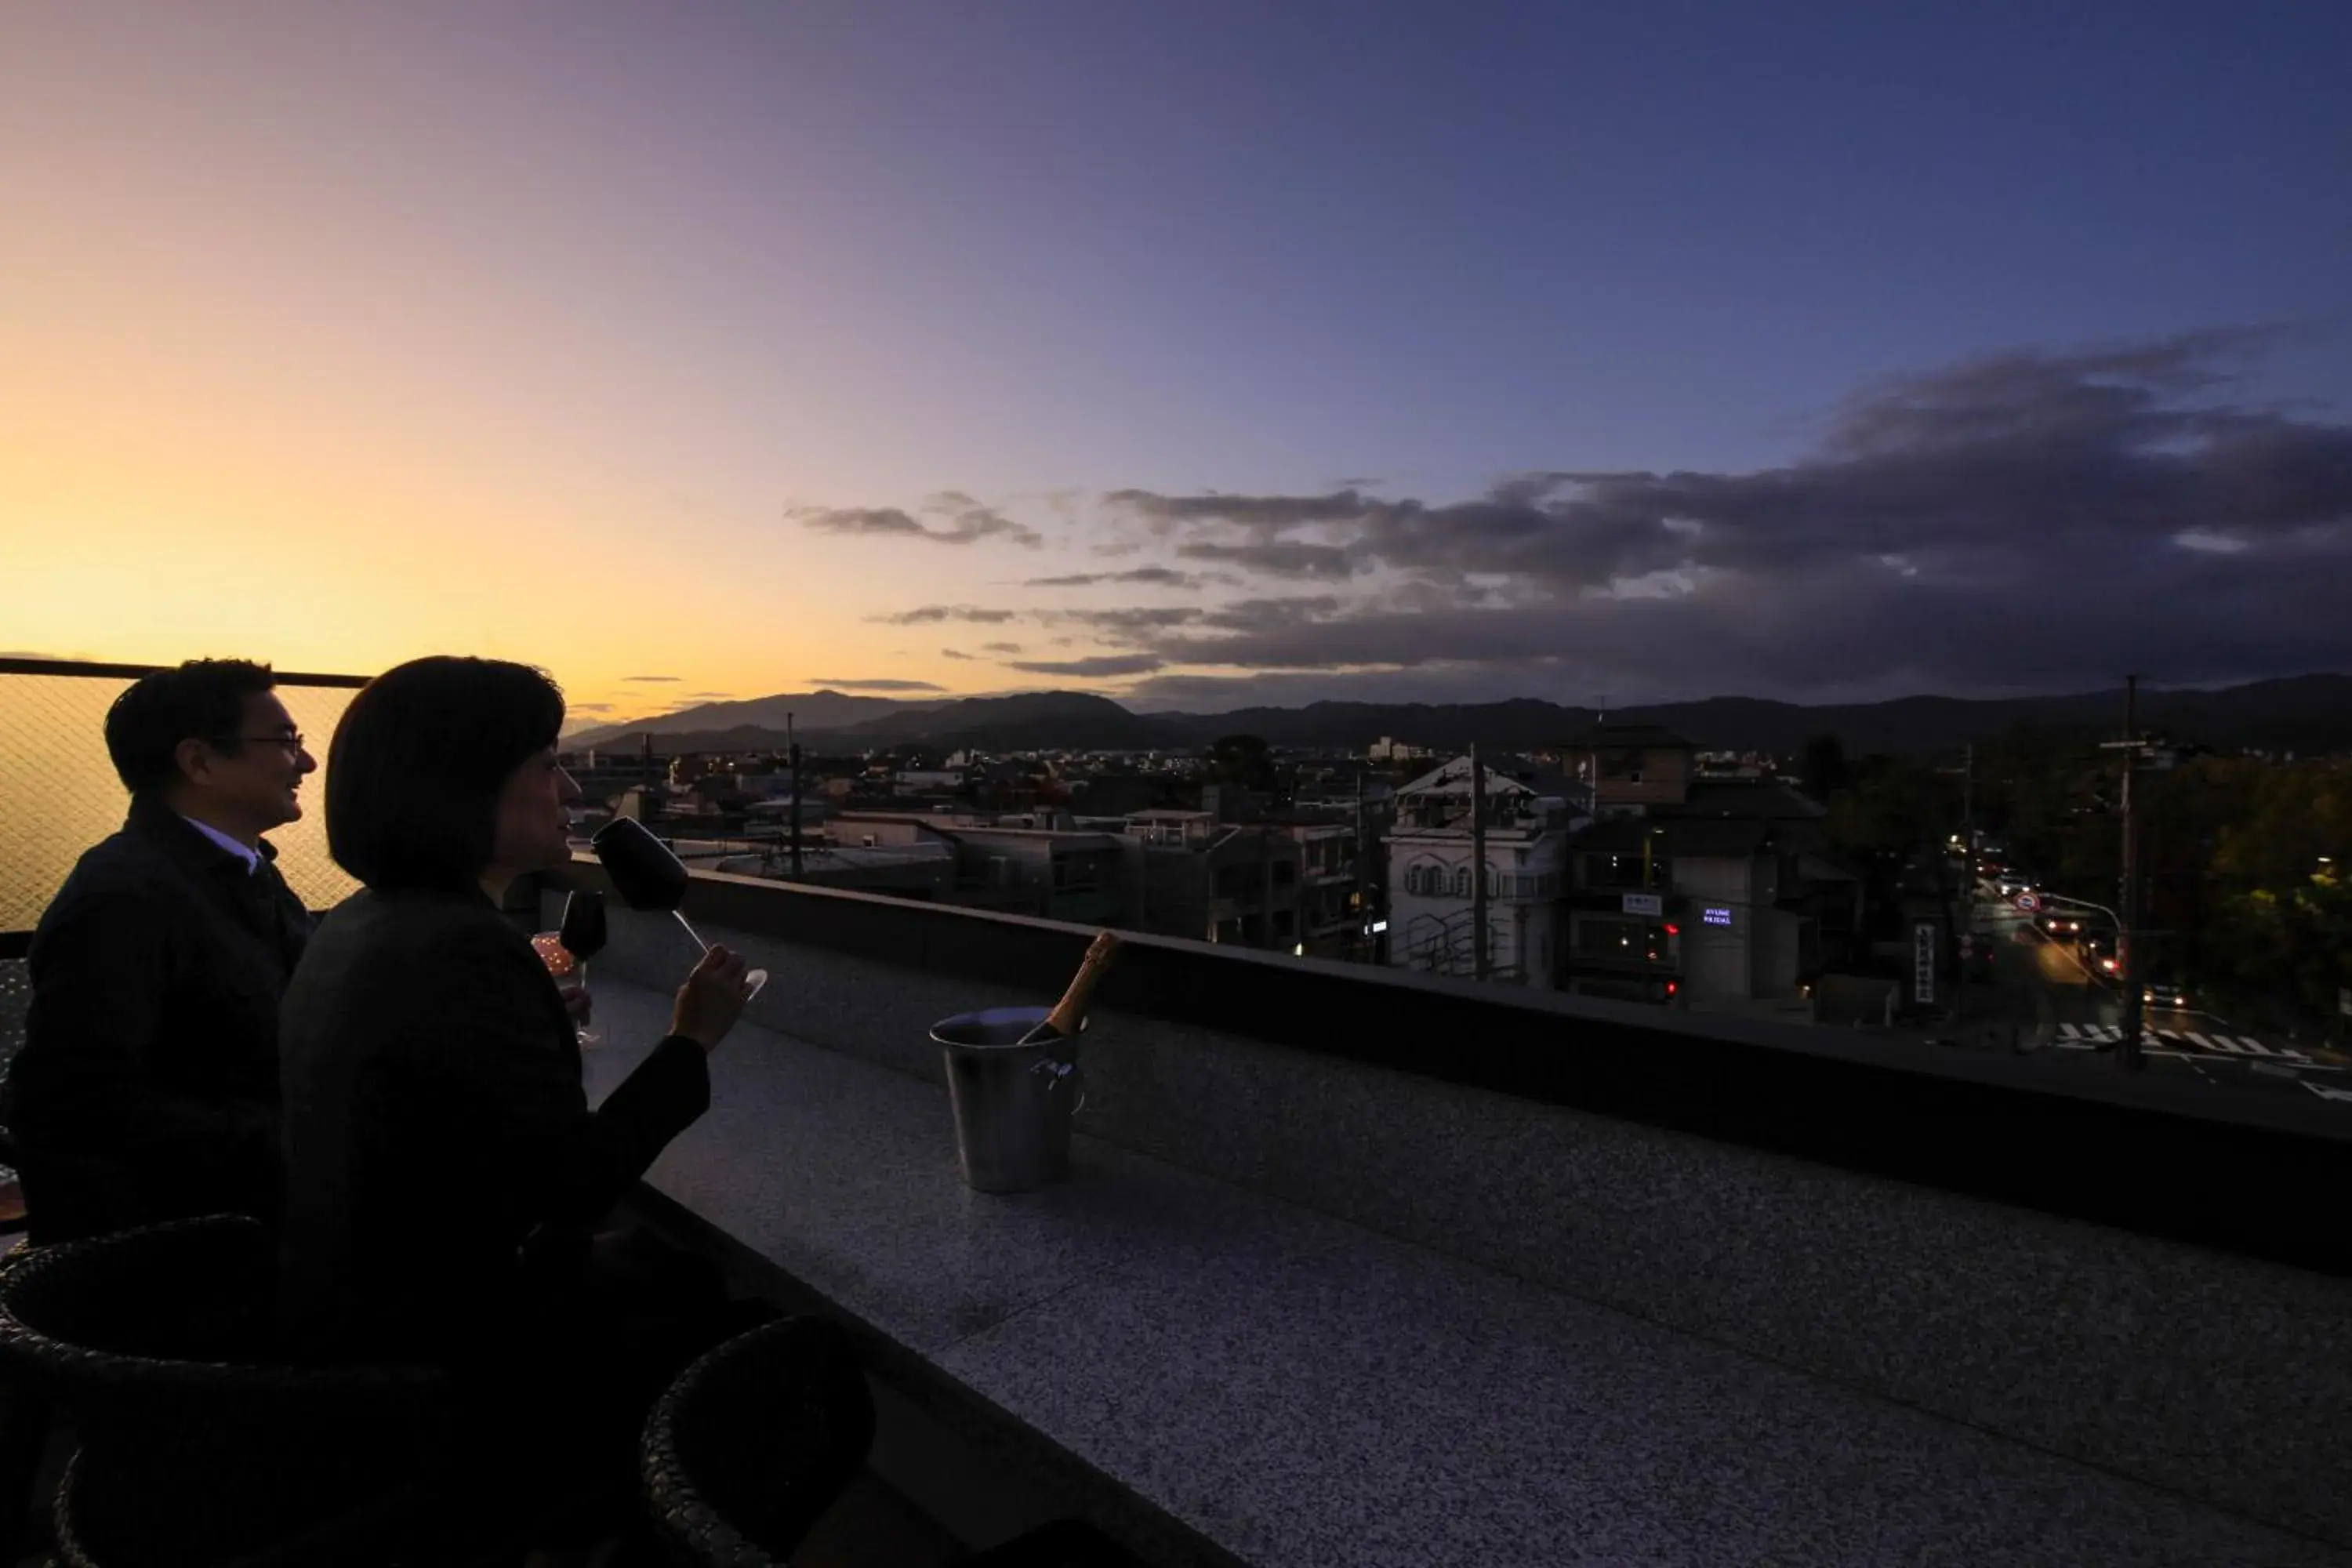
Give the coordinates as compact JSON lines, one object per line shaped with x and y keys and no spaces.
{"x":2219,"y":1044}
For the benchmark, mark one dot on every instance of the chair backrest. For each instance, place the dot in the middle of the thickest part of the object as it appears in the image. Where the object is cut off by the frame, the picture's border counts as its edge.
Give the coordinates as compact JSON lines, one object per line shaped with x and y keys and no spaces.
{"x":195,"y":1289}
{"x":157,"y":1343}
{"x":755,"y":1440}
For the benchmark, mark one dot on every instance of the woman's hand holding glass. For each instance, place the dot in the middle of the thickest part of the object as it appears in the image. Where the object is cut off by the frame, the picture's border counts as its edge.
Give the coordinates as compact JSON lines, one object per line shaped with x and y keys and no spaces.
{"x":711,"y":999}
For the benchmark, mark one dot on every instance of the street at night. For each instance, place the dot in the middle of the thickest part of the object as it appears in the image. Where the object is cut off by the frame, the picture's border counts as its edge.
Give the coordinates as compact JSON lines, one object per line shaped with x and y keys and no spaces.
{"x":2049,"y":991}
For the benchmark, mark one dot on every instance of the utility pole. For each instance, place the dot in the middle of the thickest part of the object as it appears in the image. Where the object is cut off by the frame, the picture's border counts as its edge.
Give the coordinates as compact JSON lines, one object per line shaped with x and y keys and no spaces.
{"x":792,"y":754}
{"x":1363,"y":942}
{"x":1968,"y":804}
{"x":2127,"y":964}
{"x":1264,"y":892}
{"x":1478,"y":965}
{"x":1962,"y":902}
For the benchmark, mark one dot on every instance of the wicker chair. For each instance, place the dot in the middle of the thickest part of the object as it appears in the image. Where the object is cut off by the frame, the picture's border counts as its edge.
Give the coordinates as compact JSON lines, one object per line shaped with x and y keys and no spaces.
{"x":196,"y":1448}
{"x":755,"y":1440}
{"x":25,"y":1423}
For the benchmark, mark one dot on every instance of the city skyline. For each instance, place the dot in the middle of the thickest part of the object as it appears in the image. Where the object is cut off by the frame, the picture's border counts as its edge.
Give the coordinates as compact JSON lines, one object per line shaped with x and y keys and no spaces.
{"x":1208,"y":362}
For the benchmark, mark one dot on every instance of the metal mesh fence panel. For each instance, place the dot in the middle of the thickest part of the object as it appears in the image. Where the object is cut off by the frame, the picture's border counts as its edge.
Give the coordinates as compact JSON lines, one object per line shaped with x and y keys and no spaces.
{"x":59,"y":794}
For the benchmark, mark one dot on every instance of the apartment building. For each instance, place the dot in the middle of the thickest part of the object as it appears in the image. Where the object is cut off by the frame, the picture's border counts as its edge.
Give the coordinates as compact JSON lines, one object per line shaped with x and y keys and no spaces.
{"x":1444,"y":823}
{"x":1709,"y":893}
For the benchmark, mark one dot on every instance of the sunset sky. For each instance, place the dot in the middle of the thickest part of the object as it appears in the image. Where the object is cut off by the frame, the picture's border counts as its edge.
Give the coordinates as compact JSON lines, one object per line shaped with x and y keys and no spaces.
{"x":1433,"y":352}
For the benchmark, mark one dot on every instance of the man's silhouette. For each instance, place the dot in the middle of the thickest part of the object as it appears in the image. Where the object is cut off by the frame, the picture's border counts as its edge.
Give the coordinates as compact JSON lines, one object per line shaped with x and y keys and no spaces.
{"x":147,"y":1087}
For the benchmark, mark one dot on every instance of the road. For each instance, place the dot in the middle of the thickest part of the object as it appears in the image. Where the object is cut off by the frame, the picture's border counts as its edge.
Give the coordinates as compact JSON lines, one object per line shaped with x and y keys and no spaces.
{"x":2041,"y":987}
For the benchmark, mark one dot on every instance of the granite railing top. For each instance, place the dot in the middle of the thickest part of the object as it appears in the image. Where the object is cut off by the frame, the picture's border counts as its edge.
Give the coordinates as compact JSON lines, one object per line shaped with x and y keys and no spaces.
{"x":1285,"y":1388}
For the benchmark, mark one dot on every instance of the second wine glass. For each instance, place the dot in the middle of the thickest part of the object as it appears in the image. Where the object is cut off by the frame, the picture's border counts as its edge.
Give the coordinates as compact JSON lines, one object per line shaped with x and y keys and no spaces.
{"x":583,"y":935}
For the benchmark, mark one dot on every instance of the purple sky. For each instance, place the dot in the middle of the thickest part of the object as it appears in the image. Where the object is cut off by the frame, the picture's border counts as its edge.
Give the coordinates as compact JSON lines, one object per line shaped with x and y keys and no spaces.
{"x":1856,"y":350}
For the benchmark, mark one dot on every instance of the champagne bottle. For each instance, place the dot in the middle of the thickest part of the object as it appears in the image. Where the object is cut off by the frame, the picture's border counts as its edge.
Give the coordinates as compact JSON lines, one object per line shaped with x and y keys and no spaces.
{"x":1070,"y":1012}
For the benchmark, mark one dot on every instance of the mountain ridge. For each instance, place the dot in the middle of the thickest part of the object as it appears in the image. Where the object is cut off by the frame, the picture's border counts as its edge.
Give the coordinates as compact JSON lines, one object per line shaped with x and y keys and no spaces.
{"x":2305,"y":712}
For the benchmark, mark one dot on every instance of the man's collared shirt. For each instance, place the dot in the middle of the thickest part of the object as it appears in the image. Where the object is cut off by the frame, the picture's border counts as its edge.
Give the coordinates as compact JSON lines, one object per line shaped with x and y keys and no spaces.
{"x":245,"y":852}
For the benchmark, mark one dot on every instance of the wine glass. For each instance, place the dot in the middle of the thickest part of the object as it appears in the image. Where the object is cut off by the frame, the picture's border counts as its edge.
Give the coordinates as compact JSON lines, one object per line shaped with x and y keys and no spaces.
{"x":648,"y":877}
{"x":583,"y":937}
{"x":570,"y":976}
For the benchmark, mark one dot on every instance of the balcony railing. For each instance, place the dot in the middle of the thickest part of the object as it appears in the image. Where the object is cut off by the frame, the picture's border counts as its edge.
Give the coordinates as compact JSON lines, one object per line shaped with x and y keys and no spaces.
{"x":60,"y":795}
{"x":1533,"y":1136}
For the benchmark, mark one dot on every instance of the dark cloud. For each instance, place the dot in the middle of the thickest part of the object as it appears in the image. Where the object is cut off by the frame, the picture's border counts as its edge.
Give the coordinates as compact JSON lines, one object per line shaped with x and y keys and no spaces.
{"x":649,"y":677}
{"x":1274,"y":513}
{"x":931,"y":614}
{"x":1449,"y":683}
{"x":1854,"y":629}
{"x":950,"y":653}
{"x":2026,"y":521}
{"x":1001,"y":647}
{"x":1989,"y":526}
{"x":568,"y":706}
{"x":1263,"y":614}
{"x":1162,"y":577}
{"x":1126,"y":623}
{"x":1279,"y":558}
{"x":966,"y":522}
{"x":1099,"y":666}
{"x":857,"y":520}
{"x":1963,"y":470}
{"x":845,"y":683}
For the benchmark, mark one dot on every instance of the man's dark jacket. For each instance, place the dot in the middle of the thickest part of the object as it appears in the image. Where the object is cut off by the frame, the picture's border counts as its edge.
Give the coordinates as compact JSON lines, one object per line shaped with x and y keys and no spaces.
{"x":443,"y":1169}
{"x":147,"y":1087}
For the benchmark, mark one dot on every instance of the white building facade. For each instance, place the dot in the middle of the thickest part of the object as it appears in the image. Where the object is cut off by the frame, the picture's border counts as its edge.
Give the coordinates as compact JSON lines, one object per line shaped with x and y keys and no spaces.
{"x":1431,"y":863}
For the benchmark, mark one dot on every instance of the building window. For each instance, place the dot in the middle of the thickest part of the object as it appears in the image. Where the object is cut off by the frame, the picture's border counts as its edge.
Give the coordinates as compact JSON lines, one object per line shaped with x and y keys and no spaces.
{"x":1623,"y":870}
{"x":1461,"y":881}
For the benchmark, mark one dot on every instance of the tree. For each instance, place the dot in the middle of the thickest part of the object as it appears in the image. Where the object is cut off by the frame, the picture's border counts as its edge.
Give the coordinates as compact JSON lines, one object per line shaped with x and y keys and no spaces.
{"x":1243,"y":759}
{"x":1822,"y":767}
{"x":2280,"y":927}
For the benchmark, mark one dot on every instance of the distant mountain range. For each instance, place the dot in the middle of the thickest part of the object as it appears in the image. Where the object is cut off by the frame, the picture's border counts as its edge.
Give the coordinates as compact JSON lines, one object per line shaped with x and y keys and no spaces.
{"x":2304,"y":713}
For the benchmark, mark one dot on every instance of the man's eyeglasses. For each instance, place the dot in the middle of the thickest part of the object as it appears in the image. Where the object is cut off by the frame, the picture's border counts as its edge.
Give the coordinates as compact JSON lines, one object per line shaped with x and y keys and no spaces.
{"x":292,"y":742}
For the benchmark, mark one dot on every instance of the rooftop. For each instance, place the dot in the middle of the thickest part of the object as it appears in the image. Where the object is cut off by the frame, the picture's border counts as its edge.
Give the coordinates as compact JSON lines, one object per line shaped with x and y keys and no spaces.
{"x":1369,"y":1268}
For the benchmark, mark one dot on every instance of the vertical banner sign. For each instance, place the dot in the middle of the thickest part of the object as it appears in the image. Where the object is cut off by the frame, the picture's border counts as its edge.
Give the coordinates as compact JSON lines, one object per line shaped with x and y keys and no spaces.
{"x":1923,"y":963}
